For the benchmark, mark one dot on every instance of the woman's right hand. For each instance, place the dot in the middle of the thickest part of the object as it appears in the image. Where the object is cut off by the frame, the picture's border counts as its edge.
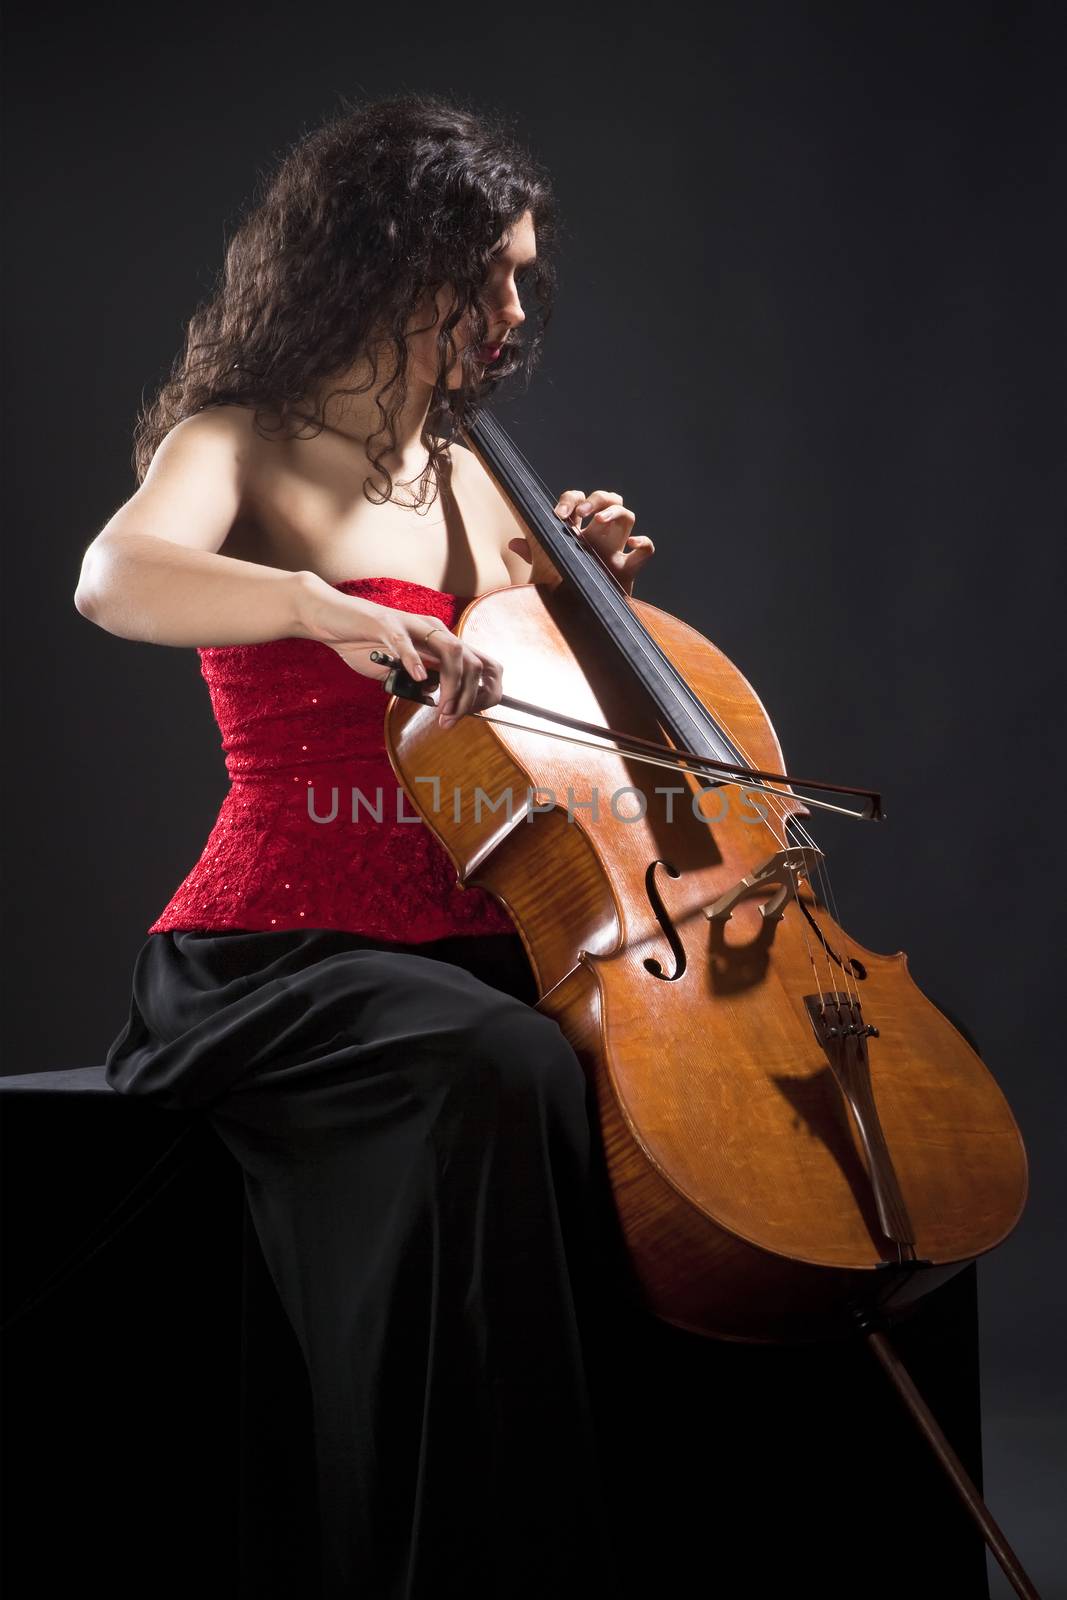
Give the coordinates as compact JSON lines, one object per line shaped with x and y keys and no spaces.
{"x":353,"y":626}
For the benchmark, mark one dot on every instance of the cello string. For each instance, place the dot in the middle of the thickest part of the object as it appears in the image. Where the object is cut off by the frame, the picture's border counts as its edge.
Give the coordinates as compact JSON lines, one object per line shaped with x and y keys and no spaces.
{"x":825,"y":893}
{"x":608,"y":586}
{"x":611,"y":594}
{"x":612,"y":590}
{"x":822,"y":877}
{"x":505,"y":442}
{"x":784,"y":816}
{"x":526,"y":472}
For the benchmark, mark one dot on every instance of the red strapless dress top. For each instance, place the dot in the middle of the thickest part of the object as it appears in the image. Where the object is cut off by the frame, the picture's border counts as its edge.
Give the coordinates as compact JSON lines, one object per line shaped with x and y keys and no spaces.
{"x":291,"y":848}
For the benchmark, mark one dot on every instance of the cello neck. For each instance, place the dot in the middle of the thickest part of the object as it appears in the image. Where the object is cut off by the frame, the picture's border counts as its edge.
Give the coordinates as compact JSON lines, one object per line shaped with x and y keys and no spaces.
{"x":600,"y":597}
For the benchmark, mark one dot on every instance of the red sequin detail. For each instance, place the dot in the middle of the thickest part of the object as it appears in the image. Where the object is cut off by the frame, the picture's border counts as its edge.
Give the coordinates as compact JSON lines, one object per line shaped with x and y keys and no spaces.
{"x":294,"y":716}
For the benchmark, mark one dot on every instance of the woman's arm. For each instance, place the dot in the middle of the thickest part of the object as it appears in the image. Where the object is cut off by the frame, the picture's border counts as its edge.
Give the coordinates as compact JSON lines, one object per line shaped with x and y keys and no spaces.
{"x":154,"y":572}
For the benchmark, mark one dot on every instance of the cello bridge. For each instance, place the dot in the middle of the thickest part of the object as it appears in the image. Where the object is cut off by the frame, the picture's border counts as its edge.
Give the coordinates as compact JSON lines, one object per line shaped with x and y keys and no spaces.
{"x":781,"y":872}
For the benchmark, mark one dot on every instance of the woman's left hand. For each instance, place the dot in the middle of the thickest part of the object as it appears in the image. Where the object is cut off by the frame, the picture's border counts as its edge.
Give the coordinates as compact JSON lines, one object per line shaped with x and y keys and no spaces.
{"x":609,"y":531}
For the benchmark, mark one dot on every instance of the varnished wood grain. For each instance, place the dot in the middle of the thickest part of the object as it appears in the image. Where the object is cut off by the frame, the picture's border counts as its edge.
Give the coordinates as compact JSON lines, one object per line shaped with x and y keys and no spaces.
{"x":738,"y":1178}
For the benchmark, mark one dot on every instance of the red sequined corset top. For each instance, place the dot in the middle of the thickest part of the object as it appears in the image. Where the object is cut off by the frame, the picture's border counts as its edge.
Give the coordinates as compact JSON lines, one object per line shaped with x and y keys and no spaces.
{"x":298,"y":842}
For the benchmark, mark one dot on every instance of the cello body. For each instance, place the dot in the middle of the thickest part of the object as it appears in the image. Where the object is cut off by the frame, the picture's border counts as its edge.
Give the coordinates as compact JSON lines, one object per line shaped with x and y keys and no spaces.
{"x":771,"y":1176}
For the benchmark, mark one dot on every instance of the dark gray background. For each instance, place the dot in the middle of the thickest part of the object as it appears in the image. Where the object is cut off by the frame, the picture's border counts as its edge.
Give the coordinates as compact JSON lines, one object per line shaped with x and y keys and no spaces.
{"x":810,"y":326}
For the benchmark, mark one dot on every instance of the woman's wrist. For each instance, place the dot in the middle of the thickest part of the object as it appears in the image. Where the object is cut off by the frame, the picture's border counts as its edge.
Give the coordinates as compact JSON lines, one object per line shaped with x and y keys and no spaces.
{"x":310,"y":594}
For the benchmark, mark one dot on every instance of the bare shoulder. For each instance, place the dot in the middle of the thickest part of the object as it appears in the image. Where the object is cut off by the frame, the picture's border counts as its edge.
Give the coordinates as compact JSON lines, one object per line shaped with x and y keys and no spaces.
{"x":194,"y":489}
{"x":214,"y":430}
{"x":219,"y":422}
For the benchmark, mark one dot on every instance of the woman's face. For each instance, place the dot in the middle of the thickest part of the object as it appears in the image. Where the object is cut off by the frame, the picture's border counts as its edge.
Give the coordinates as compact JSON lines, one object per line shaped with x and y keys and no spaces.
{"x":514,"y":253}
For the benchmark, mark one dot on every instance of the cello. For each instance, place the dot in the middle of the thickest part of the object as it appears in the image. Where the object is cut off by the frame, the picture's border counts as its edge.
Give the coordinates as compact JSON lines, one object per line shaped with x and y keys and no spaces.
{"x":799,"y":1144}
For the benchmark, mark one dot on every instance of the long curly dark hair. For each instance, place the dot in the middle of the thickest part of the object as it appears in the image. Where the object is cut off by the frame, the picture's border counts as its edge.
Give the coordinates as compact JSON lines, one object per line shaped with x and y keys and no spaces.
{"x":383,"y":203}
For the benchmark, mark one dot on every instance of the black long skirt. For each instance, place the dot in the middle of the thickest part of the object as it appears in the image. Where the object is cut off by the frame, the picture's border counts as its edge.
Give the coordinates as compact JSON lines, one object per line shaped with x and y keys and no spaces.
{"x":493,"y":1416}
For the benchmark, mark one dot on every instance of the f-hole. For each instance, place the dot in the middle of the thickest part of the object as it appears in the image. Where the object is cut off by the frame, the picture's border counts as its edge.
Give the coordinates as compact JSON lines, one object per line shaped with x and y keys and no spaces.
{"x":670,"y":933}
{"x":855,"y":968}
